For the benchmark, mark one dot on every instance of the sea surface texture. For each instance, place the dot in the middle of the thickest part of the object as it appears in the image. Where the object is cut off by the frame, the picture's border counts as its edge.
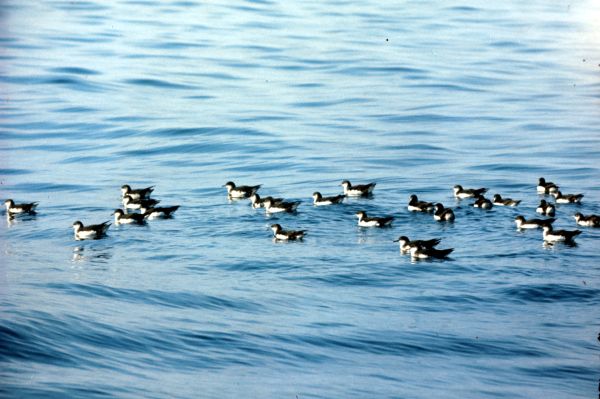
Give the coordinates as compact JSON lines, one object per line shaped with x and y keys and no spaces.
{"x":297,"y":96}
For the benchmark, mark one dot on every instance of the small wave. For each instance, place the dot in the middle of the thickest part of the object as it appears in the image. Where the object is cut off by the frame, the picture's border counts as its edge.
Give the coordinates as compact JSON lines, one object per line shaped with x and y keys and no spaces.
{"x":157,"y":83}
{"x":52,"y":187}
{"x":75,"y":70}
{"x":14,"y":172}
{"x":551,"y":293}
{"x":155,"y":297}
{"x":402,"y":344}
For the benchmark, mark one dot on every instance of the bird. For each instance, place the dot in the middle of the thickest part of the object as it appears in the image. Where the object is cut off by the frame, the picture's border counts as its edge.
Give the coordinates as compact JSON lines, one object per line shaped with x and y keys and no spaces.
{"x":140,"y":193}
{"x":406,"y":244}
{"x":258,"y":202}
{"x":286,"y":235}
{"x":128,"y":218}
{"x":460,"y":192}
{"x":319,"y":200}
{"x":545,"y":208}
{"x":498,"y":200}
{"x":237,"y":192}
{"x":130,"y":203}
{"x":482,"y":202}
{"x":561,"y":198}
{"x":545,"y":187}
{"x":442,"y":214}
{"x":551,"y":235}
{"x":522,"y":223}
{"x":93,"y":231}
{"x":414,"y":205}
{"x":422,"y":252}
{"x":15,"y":209}
{"x":282,"y":206}
{"x":365,"y":221}
{"x":360,"y":190}
{"x":587,"y":221}
{"x":163,"y":212}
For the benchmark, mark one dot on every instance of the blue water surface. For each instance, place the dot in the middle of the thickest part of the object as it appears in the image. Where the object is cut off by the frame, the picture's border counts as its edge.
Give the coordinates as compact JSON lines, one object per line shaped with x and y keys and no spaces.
{"x":297,"y":96}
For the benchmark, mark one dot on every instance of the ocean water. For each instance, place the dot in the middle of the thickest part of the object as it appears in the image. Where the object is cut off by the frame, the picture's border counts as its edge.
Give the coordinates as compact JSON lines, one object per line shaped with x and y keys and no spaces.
{"x":297,"y":96}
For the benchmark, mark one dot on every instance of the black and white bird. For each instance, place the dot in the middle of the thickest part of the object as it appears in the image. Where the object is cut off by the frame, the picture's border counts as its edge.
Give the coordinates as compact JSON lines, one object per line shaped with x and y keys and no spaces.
{"x":460,"y":192}
{"x":551,"y":235}
{"x":406,"y":244}
{"x":522,"y":223}
{"x":93,"y":231}
{"x":498,"y":200}
{"x":545,"y":208}
{"x":414,"y":205}
{"x":422,"y":252}
{"x":319,"y":200}
{"x":162,"y":212}
{"x":482,"y":202}
{"x":282,"y":206}
{"x":442,"y":214}
{"x":128,"y":218}
{"x":130,"y":203}
{"x":587,"y":221}
{"x":237,"y":192}
{"x":16,"y":209}
{"x":286,"y":235}
{"x":140,"y":193}
{"x":561,"y":198}
{"x":366,"y":221}
{"x":360,"y":190}
{"x":258,"y":202}
{"x":545,"y":187}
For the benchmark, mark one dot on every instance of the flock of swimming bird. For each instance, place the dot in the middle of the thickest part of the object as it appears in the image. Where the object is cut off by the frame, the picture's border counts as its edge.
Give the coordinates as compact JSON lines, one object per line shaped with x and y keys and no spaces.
{"x":140,"y":200}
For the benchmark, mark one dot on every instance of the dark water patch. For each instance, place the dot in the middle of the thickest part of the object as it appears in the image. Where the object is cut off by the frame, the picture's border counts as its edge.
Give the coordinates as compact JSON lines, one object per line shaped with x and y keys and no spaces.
{"x":328,"y":103}
{"x":96,"y":39}
{"x":265,"y":118}
{"x":508,"y":167}
{"x":310,"y":85}
{"x":84,"y":159}
{"x":24,"y":343}
{"x":192,"y":148}
{"x":173,"y":45}
{"x":443,"y":301}
{"x":349,"y":280}
{"x":75,"y":70}
{"x":547,"y":293}
{"x":79,"y":5}
{"x":463,"y":9}
{"x":418,"y":147}
{"x":370,"y":71}
{"x":66,"y":81}
{"x":565,"y":373}
{"x":14,"y":172}
{"x":257,"y":265}
{"x":447,"y":86}
{"x":422,"y":117}
{"x":185,"y":4}
{"x":258,"y":48}
{"x":418,"y":344}
{"x":74,"y":110}
{"x":200,"y":97}
{"x":157,"y":83}
{"x":506,"y":44}
{"x":154,"y":297}
{"x":207,"y":131}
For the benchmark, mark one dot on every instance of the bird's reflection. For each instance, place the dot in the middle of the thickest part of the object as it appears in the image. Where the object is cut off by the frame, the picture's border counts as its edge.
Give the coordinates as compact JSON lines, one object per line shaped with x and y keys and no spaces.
{"x":91,"y":254}
{"x":13,"y":220}
{"x":553,"y":245}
